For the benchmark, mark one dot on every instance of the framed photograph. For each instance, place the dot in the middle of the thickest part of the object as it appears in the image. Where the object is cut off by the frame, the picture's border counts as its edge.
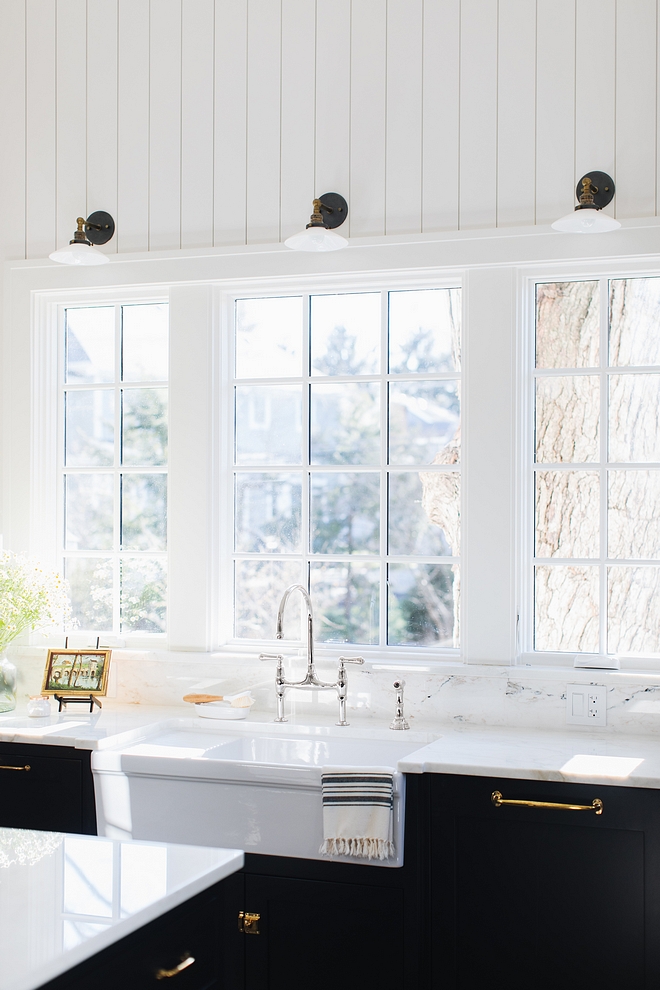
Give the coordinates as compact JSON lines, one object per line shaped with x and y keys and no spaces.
{"x":81,"y":672}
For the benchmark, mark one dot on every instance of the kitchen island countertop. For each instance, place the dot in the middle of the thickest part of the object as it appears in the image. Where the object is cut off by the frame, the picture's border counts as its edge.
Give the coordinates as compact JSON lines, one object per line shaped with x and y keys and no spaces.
{"x":63,"y":897}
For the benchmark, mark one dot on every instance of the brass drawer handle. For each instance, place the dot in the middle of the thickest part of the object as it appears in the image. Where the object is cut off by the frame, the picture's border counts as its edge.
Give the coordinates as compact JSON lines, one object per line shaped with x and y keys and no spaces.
{"x":248,"y":923}
{"x":596,"y":805}
{"x":165,"y":974}
{"x":26,"y":767}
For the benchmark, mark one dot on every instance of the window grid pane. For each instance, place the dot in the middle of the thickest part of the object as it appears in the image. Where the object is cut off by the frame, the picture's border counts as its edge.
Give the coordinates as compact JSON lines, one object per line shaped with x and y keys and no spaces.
{"x":114,"y":466}
{"x":597,"y":467}
{"x":377,"y":546}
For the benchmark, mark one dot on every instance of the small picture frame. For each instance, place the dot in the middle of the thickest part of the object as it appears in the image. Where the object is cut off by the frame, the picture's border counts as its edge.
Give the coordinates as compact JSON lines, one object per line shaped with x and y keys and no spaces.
{"x":77,"y":672}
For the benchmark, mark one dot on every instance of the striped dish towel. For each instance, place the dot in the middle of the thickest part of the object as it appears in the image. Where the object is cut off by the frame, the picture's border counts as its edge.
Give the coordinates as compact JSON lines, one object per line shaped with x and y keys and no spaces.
{"x":357,"y":813}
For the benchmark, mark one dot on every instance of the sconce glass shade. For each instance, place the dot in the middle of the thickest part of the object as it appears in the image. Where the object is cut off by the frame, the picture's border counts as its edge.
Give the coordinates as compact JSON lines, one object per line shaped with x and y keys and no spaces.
{"x":586,"y":221}
{"x":316,"y":239}
{"x":79,"y":254}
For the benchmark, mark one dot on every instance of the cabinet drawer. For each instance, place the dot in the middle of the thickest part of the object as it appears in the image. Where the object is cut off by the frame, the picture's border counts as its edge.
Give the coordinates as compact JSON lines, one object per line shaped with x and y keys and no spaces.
{"x":190,"y":932}
{"x":48,"y":795}
{"x":161,"y":953}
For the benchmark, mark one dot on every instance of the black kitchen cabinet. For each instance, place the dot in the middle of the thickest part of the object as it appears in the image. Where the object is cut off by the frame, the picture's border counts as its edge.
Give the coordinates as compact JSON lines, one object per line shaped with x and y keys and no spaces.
{"x":325,"y":934}
{"x":195,"y":931}
{"x":338,"y":924}
{"x":531,"y":896}
{"x":46,"y":787}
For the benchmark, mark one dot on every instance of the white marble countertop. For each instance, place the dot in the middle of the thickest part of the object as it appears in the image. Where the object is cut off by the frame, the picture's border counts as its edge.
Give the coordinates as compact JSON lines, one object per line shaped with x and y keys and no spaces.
{"x":63,"y":898}
{"x":577,"y":756}
{"x":114,"y":724}
{"x":574,"y":754}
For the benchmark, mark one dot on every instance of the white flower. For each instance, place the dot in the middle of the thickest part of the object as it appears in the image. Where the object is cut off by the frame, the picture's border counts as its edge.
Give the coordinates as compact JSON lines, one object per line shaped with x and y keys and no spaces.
{"x":30,"y":597}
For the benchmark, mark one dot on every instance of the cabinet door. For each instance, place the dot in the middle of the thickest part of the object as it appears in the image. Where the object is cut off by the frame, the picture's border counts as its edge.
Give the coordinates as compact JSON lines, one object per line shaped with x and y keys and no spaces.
{"x":48,"y":795}
{"x":527,"y":897}
{"x":325,"y":935}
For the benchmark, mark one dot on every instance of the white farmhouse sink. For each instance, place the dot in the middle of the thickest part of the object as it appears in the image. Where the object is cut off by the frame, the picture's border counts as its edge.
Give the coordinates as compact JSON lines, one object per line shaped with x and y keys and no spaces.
{"x":254,"y":786}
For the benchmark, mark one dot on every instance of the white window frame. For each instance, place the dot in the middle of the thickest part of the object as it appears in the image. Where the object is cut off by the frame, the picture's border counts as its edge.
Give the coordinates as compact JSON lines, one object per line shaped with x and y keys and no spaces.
{"x":527,"y":375}
{"x":47,"y":496}
{"x":495,"y":267}
{"x":355,"y":284}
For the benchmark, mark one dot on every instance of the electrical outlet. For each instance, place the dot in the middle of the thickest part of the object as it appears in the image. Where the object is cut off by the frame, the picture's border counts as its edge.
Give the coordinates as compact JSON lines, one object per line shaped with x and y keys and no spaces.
{"x":586,"y":704}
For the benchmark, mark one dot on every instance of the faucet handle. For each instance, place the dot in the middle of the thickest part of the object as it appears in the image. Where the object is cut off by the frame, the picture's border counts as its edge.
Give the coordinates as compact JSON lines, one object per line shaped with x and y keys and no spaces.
{"x":271,"y":656}
{"x":343,"y":660}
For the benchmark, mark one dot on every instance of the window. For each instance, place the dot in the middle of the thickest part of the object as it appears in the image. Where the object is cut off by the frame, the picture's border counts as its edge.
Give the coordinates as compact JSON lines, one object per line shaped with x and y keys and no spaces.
{"x":597,"y":466}
{"x":113,"y":466}
{"x":346,"y":465}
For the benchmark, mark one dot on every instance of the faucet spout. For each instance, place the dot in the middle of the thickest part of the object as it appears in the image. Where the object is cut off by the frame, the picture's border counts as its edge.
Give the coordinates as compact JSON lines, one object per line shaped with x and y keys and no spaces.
{"x":310,"y":621}
{"x":310,"y":681}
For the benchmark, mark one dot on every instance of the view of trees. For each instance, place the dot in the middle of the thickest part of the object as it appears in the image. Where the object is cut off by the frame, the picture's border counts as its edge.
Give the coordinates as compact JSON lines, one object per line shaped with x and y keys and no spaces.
{"x":90,"y":441}
{"x":585,"y":461}
{"x":345,"y":514}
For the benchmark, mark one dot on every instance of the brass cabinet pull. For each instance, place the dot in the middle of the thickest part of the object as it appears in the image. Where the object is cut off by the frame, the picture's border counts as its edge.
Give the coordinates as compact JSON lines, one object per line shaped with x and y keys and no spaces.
{"x":26,"y":767}
{"x":165,"y":974}
{"x":248,"y":923}
{"x":596,"y":805}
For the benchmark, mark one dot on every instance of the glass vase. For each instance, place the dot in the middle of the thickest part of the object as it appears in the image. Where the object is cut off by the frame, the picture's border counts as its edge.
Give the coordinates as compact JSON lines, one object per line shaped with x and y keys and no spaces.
{"x":7,"y":685}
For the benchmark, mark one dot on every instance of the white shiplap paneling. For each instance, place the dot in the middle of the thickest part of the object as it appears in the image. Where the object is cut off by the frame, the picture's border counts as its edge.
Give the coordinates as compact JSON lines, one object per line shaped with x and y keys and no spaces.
{"x":133,"y":127}
{"x":298,"y":107}
{"x":368,"y":117}
{"x":555,"y":109}
{"x":230,"y":124}
{"x":12,"y":128}
{"x":165,"y":124}
{"x":40,"y":122}
{"x":516,"y":113}
{"x":264,"y":84}
{"x":636,"y":108}
{"x":440,"y":114}
{"x":403,"y":162}
{"x":333,"y":98}
{"x":595,"y":77}
{"x":197,"y":67}
{"x":71,"y":161}
{"x":102,"y":32}
{"x":215,"y":121}
{"x":478,"y":109}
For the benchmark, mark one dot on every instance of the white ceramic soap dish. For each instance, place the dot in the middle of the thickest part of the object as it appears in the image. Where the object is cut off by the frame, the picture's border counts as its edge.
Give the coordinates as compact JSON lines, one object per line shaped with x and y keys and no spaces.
{"x":220,"y":709}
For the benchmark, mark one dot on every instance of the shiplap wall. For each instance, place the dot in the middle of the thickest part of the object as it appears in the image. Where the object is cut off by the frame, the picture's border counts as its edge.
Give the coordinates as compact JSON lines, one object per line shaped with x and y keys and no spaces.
{"x":211,"y":122}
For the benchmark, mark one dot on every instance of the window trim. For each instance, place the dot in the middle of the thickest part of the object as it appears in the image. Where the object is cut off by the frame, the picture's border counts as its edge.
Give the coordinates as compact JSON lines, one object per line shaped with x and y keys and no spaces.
{"x":497,"y":261}
{"x":47,"y":512}
{"x":603,"y":272}
{"x":383,"y":283}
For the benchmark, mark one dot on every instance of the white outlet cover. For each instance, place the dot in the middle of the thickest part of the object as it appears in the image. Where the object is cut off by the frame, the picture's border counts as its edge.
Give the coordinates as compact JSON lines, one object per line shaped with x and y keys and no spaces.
{"x":586,"y":704}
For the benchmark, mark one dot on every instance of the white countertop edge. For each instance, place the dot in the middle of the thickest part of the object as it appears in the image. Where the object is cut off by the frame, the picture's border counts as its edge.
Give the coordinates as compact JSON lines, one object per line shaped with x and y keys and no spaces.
{"x":114,"y":933}
{"x":525,"y":773}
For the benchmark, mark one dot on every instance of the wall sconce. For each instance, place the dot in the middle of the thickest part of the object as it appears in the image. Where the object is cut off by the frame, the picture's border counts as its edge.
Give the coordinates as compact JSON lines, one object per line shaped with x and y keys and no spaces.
{"x":98,"y":228}
{"x":330,"y":211}
{"x":594,"y":191}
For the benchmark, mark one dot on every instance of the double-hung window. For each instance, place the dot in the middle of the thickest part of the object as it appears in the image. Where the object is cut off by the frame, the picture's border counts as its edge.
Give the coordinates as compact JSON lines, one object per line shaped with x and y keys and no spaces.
{"x":346,"y":464}
{"x":113,"y":466}
{"x":597,"y":467}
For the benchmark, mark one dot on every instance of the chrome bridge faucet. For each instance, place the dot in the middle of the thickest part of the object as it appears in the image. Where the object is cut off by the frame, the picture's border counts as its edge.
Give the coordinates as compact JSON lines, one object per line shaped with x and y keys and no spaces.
{"x":310,"y":680}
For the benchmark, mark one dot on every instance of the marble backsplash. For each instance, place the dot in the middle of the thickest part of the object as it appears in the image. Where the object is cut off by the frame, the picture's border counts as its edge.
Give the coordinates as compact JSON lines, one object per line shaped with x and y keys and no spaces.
{"x":447,"y":693}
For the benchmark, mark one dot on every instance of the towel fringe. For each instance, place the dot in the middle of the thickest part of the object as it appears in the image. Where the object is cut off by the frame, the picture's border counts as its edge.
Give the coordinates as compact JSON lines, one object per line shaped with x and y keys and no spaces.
{"x":364,"y":848}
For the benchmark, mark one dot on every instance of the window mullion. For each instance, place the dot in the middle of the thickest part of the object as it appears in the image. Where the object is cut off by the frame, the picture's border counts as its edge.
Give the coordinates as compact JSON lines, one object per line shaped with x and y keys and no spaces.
{"x":116,"y":604}
{"x":305,"y":523}
{"x":604,"y":432}
{"x":384,"y":473}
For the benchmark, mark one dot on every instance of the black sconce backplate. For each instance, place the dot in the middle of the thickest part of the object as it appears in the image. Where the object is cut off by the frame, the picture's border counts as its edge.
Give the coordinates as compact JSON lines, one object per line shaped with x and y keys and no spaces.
{"x":605,"y":185}
{"x":339,"y":208}
{"x":105,"y":222}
